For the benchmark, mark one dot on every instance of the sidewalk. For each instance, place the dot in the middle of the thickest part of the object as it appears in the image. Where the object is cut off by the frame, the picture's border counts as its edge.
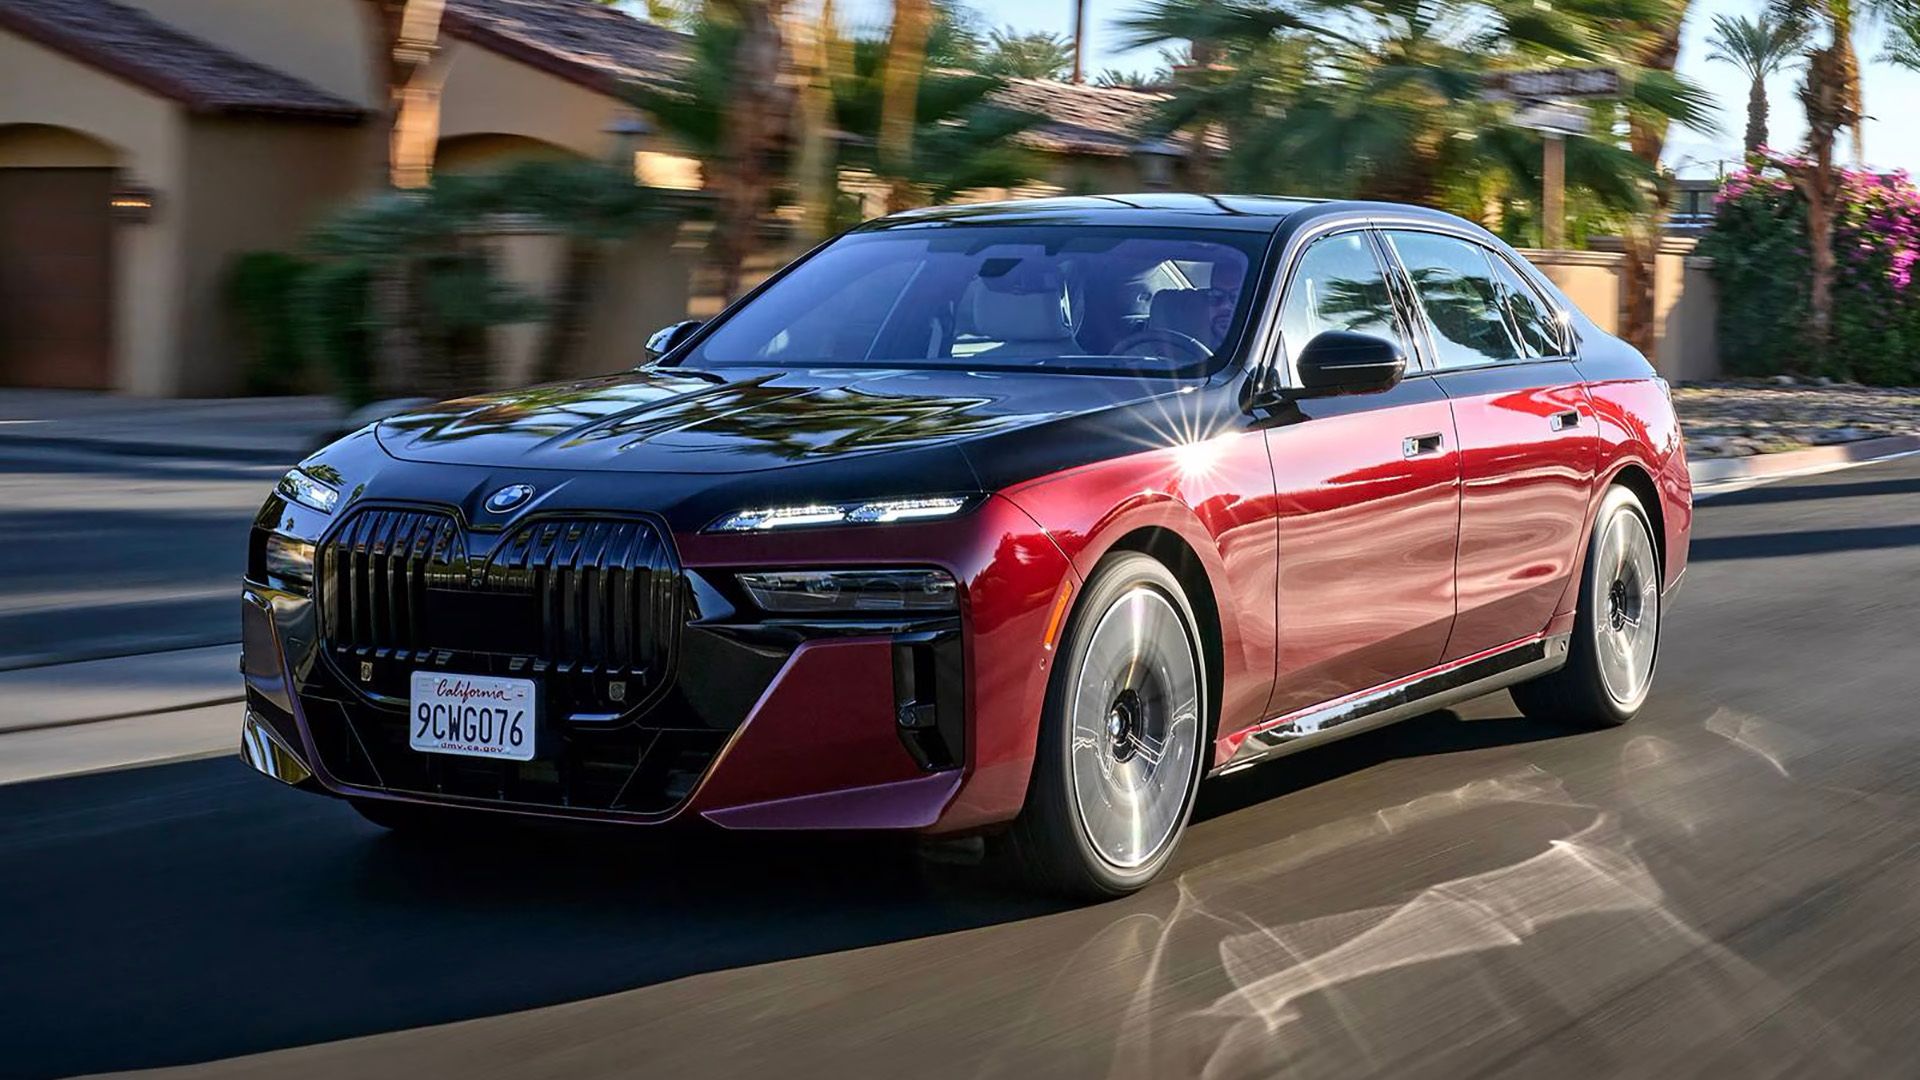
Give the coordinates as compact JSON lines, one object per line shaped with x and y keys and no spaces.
{"x":64,"y":719}
{"x":270,"y":431}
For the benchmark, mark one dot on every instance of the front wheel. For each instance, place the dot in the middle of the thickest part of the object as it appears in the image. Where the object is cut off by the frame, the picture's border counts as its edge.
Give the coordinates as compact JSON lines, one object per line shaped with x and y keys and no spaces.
{"x":1616,"y":633}
{"x":1120,"y":754}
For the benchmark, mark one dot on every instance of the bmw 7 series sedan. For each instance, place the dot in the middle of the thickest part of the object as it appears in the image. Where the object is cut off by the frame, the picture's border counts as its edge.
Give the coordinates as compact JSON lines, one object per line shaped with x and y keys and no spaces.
{"x":1012,"y":520}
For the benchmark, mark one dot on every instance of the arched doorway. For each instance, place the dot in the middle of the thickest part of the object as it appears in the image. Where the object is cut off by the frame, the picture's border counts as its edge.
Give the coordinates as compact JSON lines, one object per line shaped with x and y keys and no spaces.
{"x":484,"y":152}
{"x":56,"y":258}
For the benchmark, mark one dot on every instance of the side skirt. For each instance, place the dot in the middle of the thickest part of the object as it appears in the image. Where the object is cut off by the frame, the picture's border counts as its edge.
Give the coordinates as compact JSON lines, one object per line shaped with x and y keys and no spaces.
{"x":1464,"y":679}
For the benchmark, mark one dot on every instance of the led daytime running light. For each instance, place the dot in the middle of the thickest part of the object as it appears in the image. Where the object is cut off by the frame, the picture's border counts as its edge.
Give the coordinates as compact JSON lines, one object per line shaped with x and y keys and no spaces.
{"x":877,"y":512}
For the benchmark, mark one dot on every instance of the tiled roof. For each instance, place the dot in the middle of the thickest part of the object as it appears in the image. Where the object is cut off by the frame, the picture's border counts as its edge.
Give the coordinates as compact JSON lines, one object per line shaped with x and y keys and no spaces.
{"x":1080,"y":119}
{"x":602,"y":47}
{"x":141,"y":49}
{"x":595,"y":45}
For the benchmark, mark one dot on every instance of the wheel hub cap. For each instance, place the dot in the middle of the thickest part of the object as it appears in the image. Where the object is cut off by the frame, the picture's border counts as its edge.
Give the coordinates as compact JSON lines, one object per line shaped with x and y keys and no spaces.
{"x":1135,"y":713}
{"x":1627,"y":601}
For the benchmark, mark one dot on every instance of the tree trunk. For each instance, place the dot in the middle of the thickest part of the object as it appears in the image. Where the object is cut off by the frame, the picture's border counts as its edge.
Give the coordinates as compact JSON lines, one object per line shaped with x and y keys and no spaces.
{"x":900,"y":99}
{"x":754,"y":125}
{"x":567,"y":319}
{"x":1647,"y":136}
{"x":814,"y":166}
{"x":1826,"y":93}
{"x":1756,"y":117}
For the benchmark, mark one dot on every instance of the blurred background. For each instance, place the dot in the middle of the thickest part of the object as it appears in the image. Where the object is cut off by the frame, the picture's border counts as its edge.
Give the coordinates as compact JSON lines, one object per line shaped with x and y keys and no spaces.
{"x":376,"y":199}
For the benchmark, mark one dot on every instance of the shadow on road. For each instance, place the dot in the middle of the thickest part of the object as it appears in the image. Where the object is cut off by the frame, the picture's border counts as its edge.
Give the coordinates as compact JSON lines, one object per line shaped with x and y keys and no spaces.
{"x":1771,"y":494}
{"x":1811,"y":542}
{"x":192,"y":912}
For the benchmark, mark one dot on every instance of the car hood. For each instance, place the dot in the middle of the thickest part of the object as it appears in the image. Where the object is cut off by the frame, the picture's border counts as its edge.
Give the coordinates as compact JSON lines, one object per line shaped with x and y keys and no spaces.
{"x":665,"y":420}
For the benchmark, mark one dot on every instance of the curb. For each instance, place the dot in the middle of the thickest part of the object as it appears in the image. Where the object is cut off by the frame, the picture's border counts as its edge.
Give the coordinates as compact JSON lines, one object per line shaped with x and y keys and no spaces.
{"x":248,"y":455}
{"x":1713,"y":472}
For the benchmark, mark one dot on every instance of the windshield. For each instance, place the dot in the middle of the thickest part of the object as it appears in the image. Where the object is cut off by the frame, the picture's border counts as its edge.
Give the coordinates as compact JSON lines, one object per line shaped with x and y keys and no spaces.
{"x":1152,"y":301}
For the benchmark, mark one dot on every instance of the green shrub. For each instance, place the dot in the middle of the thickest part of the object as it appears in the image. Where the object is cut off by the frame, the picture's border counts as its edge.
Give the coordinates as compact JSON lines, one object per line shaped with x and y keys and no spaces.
{"x":1762,"y":266}
{"x":261,"y":287}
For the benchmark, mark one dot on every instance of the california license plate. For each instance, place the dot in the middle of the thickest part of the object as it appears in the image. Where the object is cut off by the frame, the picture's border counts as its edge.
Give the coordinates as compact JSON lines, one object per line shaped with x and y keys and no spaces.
{"x":472,"y":715}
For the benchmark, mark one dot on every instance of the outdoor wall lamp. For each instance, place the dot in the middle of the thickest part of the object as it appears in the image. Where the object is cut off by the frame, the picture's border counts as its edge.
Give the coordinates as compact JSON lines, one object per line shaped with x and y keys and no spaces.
{"x":132,"y":204}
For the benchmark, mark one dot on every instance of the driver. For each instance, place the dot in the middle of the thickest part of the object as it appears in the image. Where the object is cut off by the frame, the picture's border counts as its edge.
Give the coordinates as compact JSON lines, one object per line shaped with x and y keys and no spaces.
{"x":1223,"y":298}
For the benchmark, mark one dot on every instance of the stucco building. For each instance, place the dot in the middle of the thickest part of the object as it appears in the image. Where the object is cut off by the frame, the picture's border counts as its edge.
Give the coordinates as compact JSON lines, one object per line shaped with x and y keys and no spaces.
{"x":144,"y":144}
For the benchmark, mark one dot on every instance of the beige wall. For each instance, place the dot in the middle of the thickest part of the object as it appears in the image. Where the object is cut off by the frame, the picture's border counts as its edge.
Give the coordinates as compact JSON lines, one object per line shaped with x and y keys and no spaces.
{"x":37,"y":146}
{"x":1591,"y":279}
{"x":480,"y":153}
{"x":329,"y":43}
{"x":1685,"y":304}
{"x":147,"y":132}
{"x":642,"y":285}
{"x":255,"y":185}
{"x":1689,"y":331}
{"x":484,"y":93}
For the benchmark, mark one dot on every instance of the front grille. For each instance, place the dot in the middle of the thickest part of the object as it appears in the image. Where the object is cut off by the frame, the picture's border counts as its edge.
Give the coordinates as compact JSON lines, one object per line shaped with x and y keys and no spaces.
{"x":375,"y":574}
{"x":591,"y":607}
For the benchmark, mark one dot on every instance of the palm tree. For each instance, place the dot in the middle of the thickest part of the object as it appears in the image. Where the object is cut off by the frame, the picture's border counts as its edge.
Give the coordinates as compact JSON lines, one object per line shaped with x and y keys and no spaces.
{"x":733,"y":108}
{"x":1759,"y":48}
{"x":1038,"y":55}
{"x":1830,"y":93}
{"x":1383,"y":98}
{"x":900,"y":94}
{"x":960,"y":140}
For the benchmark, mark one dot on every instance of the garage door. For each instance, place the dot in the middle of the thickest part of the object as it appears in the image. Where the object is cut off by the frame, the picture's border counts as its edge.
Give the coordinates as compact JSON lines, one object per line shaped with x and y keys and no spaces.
{"x":56,"y":282}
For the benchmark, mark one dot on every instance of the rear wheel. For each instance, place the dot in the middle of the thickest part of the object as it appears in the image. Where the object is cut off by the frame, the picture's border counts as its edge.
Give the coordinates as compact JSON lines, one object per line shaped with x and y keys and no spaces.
{"x":1120,"y":754}
{"x":1616,"y":633}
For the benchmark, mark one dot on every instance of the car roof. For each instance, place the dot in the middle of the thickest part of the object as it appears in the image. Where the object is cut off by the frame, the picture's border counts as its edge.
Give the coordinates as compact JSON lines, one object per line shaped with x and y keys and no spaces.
{"x":1247,"y":213}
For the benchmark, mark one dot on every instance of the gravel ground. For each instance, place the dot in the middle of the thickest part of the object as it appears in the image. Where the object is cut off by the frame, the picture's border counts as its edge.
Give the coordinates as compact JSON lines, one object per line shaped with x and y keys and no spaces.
{"x":1735,"y":419}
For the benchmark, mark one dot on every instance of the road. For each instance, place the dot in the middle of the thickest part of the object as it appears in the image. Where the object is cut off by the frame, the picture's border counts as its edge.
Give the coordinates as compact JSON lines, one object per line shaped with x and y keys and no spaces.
{"x":1726,"y":886}
{"x":109,"y":555}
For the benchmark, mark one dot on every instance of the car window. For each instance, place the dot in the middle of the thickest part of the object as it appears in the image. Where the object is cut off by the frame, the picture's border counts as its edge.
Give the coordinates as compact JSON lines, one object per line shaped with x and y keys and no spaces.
{"x":1337,"y":285}
{"x":1131,"y":300}
{"x":1532,"y":319}
{"x":1453,"y":280}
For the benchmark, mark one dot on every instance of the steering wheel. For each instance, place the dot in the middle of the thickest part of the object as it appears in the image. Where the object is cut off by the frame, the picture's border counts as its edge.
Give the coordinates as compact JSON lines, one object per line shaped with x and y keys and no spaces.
{"x":1195,"y":349}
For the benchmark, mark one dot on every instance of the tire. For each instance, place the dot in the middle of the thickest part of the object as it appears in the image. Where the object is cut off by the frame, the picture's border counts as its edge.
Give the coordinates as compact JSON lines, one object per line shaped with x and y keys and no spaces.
{"x":1616,"y":628}
{"x":1106,"y":809}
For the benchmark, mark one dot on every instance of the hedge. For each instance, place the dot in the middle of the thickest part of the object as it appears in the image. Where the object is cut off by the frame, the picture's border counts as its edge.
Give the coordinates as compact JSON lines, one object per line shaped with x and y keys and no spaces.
{"x":1759,"y":246}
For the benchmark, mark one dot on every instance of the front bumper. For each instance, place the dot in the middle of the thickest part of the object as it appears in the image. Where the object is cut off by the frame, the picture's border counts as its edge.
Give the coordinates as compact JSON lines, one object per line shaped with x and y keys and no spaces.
{"x":776,"y":725}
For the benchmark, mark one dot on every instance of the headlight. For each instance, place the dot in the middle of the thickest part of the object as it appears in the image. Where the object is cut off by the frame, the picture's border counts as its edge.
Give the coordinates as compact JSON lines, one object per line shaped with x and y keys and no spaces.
{"x":827,"y":592}
{"x":288,"y":562}
{"x":299,"y":486}
{"x":878,"y":512}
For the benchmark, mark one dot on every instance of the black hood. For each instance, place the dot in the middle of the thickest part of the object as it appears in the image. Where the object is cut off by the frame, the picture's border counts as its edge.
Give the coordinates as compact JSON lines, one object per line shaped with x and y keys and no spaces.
{"x":666,"y":420}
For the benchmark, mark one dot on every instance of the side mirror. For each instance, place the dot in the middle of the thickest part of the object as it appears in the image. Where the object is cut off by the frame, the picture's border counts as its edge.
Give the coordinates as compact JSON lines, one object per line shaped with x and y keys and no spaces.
{"x":668,"y":338}
{"x":1341,"y":362}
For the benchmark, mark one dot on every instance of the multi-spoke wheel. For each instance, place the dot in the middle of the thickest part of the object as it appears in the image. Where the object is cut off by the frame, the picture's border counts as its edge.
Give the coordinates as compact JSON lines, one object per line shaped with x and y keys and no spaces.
{"x":1616,"y":634}
{"x":1120,"y":752}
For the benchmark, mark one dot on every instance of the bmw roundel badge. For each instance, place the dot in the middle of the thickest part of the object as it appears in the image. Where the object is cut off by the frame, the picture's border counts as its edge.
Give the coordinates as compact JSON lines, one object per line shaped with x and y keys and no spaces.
{"x":509,"y":497}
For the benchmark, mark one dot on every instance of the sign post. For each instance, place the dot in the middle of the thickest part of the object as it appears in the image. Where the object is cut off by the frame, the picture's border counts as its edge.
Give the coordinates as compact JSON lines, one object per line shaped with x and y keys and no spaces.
{"x":1551,"y":103}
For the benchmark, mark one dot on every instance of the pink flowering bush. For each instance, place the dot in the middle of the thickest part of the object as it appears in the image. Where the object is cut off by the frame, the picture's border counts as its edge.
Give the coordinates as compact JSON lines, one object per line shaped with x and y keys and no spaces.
{"x":1759,"y":246}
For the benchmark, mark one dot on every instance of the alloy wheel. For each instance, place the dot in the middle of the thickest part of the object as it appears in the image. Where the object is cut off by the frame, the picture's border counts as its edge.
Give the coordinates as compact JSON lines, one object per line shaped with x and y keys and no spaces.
{"x":1135,"y":716}
{"x":1626,"y":608}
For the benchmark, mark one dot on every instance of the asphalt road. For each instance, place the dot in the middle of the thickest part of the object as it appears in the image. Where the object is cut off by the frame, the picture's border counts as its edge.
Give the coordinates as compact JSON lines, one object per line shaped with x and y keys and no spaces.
{"x":112,"y":555}
{"x":1729,"y":886}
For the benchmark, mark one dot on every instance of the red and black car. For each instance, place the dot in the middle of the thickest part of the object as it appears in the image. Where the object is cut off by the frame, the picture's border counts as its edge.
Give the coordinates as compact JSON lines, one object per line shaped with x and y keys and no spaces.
{"x":1015,"y":520}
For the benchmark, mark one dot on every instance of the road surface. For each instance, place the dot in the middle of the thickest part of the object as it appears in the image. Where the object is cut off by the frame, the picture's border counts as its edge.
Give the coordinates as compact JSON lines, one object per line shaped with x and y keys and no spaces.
{"x":1728,"y":886}
{"x":111,"y":555}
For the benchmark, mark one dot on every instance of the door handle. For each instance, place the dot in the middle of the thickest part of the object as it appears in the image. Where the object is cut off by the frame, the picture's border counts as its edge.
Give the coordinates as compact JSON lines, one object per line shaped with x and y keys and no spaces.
{"x":1561,"y":421}
{"x":1419,"y":445}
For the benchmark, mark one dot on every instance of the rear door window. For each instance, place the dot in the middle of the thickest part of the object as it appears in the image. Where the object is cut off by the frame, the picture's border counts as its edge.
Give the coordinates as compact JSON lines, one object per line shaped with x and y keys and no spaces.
{"x":1454,"y":282}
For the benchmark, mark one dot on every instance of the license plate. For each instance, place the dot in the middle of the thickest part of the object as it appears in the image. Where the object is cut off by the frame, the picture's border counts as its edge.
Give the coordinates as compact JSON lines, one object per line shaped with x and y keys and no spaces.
{"x":472,"y":715}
